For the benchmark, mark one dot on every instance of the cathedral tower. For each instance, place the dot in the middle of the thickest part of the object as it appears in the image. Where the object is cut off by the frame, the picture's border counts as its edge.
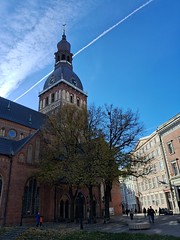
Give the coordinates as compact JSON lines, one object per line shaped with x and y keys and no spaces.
{"x":62,"y":85}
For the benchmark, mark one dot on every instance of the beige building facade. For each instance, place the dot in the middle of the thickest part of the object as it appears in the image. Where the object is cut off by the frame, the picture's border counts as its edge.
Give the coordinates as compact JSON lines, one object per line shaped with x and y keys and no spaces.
{"x":160,"y":188}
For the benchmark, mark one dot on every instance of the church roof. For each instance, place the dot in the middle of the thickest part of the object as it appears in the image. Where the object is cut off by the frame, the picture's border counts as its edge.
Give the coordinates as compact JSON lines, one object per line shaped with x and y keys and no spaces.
{"x":10,"y":147}
{"x":63,"y":70}
{"x":20,"y":114}
{"x":61,"y":73}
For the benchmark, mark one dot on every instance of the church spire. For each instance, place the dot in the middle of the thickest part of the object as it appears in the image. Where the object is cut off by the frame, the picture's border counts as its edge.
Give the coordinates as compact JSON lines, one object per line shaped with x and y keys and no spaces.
{"x":64,"y":35}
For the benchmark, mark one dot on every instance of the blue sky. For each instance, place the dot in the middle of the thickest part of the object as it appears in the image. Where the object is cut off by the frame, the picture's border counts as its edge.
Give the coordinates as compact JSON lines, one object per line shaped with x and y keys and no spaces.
{"x":134,"y":65}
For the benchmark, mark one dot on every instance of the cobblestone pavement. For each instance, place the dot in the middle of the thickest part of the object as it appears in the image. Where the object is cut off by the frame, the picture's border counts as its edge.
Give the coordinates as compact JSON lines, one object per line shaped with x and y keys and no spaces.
{"x":163,"y":225}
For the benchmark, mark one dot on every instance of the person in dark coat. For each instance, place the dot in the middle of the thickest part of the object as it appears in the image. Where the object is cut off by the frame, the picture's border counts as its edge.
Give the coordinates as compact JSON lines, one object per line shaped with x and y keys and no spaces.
{"x":151,"y":214}
{"x":131,"y":214}
{"x":37,"y":219}
{"x":144,"y":211}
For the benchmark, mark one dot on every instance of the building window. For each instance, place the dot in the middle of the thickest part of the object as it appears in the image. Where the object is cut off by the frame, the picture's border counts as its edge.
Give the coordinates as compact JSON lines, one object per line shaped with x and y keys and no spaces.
{"x":37,"y":149}
{"x":29,"y":154}
{"x":2,"y":132}
{"x":161,"y":165}
{"x":157,"y":199}
{"x":152,"y":199}
{"x":12,"y":133}
{"x":162,"y":198}
{"x":21,"y":158}
{"x":175,"y":168}
{"x":170,"y":147}
{"x":63,"y":57}
{"x":31,"y":197}
{"x":164,"y":178}
{"x":71,"y":98}
{"x":21,"y":136}
{"x":52,"y":97}
{"x":46,"y":101}
{"x":68,"y":58}
{"x":154,"y":182}
{"x":78,"y":102}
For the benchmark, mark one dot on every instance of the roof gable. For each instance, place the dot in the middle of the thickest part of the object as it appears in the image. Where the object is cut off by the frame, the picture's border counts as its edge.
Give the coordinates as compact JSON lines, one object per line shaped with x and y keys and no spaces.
{"x":20,"y":114}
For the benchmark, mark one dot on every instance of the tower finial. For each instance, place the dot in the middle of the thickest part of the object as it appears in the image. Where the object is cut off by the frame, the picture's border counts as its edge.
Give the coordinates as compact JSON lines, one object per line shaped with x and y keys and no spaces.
{"x":64,"y":35}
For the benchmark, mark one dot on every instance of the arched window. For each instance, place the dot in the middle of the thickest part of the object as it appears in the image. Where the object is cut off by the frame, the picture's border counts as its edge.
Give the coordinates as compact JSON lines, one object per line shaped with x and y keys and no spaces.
{"x":31,"y":197}
{"x":37,"y":148}
{"x":29,"y":154}
{"x":78,"y":102}
{"x":21,"y":136}
{"x":63,"y":57}
{"x":2,"y":132}
{"x":68,"y":58}
{"x":21,"y":158}
{"x":1,"y":186}
{"x":71,"y":98}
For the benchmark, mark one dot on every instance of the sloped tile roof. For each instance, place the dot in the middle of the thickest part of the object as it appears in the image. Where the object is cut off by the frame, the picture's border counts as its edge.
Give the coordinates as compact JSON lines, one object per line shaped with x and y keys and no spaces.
{"x":10,"y":147}
{"x":17,"y":113}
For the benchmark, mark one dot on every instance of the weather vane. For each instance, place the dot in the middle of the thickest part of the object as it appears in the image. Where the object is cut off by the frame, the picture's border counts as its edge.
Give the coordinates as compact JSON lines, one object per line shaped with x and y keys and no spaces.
{"x":64,"y":25}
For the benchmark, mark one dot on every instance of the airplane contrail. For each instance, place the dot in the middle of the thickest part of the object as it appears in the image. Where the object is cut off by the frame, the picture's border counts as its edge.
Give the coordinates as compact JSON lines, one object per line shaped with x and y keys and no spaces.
{"x":89,"y":44}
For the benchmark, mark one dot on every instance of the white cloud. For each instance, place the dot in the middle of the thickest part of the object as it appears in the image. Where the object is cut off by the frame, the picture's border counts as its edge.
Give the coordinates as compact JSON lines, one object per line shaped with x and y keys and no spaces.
{"x":27,"y":36}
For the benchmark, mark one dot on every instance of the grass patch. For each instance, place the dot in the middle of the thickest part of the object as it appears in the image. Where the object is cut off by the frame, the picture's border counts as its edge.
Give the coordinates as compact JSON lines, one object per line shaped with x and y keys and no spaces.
{"x":50,"y":234}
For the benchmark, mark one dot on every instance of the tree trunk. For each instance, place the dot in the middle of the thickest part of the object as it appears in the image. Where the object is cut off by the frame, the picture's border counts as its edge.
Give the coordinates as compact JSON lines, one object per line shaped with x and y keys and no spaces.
{"x":107,"y":194}
{"x":90,"y":187}
{"x":72,"y":217}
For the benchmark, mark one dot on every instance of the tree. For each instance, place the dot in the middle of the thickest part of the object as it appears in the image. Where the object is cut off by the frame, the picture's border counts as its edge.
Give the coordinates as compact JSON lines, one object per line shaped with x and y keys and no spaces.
{"x":61,"y":161}
{"x":121,"y":130}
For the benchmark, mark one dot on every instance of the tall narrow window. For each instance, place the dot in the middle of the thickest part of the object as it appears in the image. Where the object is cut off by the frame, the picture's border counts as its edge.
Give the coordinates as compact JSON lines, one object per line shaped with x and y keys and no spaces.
{"x":175,"y":168}
{"x":78,"y":102}
{"x":2,"y":132}
{"x":31,"y":197}
{"x":46,"y":101}
{"x":71,"y":98}
{"x":63,"y":57}
{"x":37,"y":148}
{"x":52,"y":97}
{"x":170,"y":147}
{"x":29,"y":154}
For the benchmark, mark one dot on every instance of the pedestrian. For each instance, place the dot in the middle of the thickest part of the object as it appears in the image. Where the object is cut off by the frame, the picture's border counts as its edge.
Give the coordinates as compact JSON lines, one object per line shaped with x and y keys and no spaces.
{"x":131,"y":214}
{"x":37,"y":219}
{"x":148,"y":214}
{"x":144,"y":211}
{"x":159,"y":211}
{"x":127,"y":212}
{"x":151,"y":213}
{"x":135,"y":211}
{"x":41,"y":221}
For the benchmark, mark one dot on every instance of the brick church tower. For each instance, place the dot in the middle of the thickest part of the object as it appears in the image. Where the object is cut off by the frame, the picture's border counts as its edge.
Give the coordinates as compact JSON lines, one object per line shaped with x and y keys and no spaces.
{"x":63,"y":85}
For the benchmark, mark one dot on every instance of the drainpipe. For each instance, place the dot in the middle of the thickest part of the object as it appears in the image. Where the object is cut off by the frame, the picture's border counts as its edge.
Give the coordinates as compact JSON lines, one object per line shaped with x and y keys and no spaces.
{"x":7,"y":192}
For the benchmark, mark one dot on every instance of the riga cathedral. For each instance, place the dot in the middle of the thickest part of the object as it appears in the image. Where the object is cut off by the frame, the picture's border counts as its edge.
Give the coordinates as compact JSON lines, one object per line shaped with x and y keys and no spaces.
{"x":20,"y":193}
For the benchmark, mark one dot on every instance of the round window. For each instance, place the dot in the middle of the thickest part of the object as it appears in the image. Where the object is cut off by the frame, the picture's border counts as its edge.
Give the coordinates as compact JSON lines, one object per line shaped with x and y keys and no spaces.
{"x":12,"y":133}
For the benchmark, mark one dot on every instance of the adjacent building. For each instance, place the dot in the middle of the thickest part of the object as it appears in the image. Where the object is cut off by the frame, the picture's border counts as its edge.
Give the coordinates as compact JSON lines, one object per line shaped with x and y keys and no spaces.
{"x":160,"y":188}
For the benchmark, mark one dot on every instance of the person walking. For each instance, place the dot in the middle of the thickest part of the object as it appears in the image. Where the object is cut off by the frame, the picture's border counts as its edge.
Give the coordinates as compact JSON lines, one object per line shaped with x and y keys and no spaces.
{"x":37,"y":219}
{"x":41,"y":221}
{"x":131,"y":214}
{"x":144,"y":211}
{"x":151,"y":213}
